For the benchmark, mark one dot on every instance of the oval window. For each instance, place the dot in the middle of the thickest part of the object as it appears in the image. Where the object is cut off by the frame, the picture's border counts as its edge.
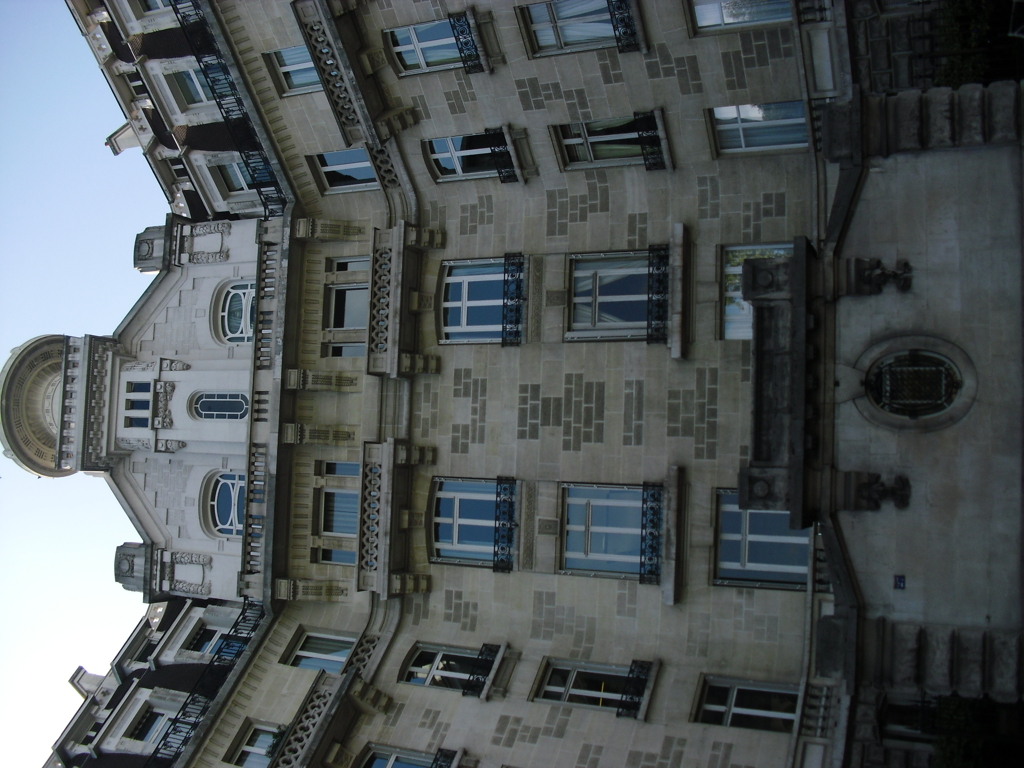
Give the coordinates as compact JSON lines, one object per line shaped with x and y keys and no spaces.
{"x":220,"y":405}
{"x":227,"y":504}
{"x":913,"y":384}
{"x":238,"y":312}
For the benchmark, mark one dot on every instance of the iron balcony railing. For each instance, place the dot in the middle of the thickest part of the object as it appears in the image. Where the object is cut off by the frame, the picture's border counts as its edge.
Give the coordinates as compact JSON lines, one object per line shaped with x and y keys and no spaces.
{"x":512,"y":300}
{"x":651,"y":517}
{"x":657,"y":294}
{"x":504,"y":524}
{"x":203,"y":44}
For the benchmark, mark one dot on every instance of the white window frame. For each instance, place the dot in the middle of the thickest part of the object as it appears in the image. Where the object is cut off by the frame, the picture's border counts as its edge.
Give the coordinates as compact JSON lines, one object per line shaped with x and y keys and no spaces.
{"x":433,"y":154}
{"x":564,"y":694}
{"x":233,"y":178}
{"x":247,"y":754}
{"x":436,"y":669}
{"x":729,"y":710}
{"x":417,"y":48}
{"x":247,"y":331}
{"x":335,"y":293}
{"x":738,"y":315}
{"x":339,"y":161}
{"x":557,"y":25}
{"x":236,"y":522}
{"x":197,"y":400}
{"x":198,"y":630}
{"x":597,"y":564}
{"x":727,"y":503}
{"x":464,"y":304}
{"x":285,"y":71}
{"x":459,"y":553}
{"x":596,"y":329}
{"x":753,"y":124}
{"x":346,"y":349}
{"x":585,"y":140}
{"x":199,"y":86}
{"x":156,"y":730}
{"x":711,"y":15}
{"x":330,"y":660}
{"x":392,"y":754}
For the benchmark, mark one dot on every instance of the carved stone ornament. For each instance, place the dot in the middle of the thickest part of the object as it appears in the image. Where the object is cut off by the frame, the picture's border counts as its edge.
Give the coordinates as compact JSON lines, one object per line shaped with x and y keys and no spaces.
{"x":190,"y":558}
{"x":125,"y":565}
{"x":162,"y":410}
{"x":207,"y":257}
{"x":168,"y":364}
{"x":212,"y":228}
{"x":134,"y":444}
{"x":138,"y":365}
{"x":189,"y":588}
{"x":169,"y":446}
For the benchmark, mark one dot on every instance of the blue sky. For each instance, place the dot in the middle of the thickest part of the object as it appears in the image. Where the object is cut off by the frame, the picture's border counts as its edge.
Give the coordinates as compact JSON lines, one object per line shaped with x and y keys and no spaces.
{"x":69,"y":211}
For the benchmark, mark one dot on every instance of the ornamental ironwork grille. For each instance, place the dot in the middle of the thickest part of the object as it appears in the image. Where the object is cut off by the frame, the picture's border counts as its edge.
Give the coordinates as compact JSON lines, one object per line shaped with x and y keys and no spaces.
{"x":504,"y":524}
{"x":474,"y":685}
{"x":512,"y":301}
{"x":651,"y":517}
{"x":650,"y":141}
{"x":501,"y":155}
{"x":197,"y":704}
{"x":203,"y":45}
{"x":444,"y":758}
{"x":913,"y":384}
{"x":626,"y":38}
{"x":466,"y":43}
{"x":657,"y":294}
{"x":633,"y":689}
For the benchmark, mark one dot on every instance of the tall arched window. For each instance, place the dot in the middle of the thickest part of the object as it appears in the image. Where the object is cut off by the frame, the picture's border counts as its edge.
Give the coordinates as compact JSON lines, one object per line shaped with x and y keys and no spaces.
{"x":238,"y":312}
{"x":230,"y":406}
{"x":227,"y":504}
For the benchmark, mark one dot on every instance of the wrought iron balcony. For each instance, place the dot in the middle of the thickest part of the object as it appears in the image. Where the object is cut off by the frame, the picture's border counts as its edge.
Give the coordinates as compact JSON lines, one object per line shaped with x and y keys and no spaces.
{"x":512,"y":301}
{"x":469,"y":51}
{"x":504,"y":524}
{"x":203,"y":44}
{"x":651,"y":515}
{"x":657,"y":294}
{"x":474,"y":686}
{"x":444,"y":758}
{"x":626,"y":38}
{"x":502,"y":156}
{"x":633,"y":691}
{"x":650,"y":141}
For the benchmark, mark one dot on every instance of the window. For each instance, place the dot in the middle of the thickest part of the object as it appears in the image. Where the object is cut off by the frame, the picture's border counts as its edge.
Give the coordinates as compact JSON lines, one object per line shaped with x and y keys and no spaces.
{"x":147,"y":651}
{"x":322,"y":652}
{"x":602,"y":529}
{"x":348,"y":306}
{"x":423,"y":47}
{"x":149,"y":726}
{"x":178,"y":169}
{"x":137,"y":85}
{"x":349,"y":264}
{"x":603,"y":142}
{"x":342,"y":468}
{"x":609,"y":296}
{"x":913,"y":384}
{"x":233,"y":176}
{"x":742,"y":704}
{"x":136,"y":421}
{"x":726,"y":13}
{"x":466,"y":514}
{"x":347,"y":350}
{"x":567,"y":25}
{"x":463,"y":156}
{"x":238,"y":312}
{"x":155,"y":5}
{"x":596,"y":685}
{"x":756,"y":547}
{"x":751,"y":127}
{"x":340,"y":513}
{"x":136,"y":405}
{"x":296,"y":70}
{"x":347,"y":169}
{"x":389,"y":758}
{"x":138,"y":386}
{"x":257,"y":749}
{"x":204,"y":640}
{"x":193,"y":87}
{"x":458,"y":669}
{"x":738,"y":315}
{"x":227,"y":504}
{"x":471,"y":308}
{"x":224,"y":406}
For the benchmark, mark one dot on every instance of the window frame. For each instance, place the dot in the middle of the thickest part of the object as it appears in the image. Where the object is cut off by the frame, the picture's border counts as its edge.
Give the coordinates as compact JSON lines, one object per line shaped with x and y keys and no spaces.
{"x":243,"y":751}
{"x":415,"y":45}
{"x":235,"y":525}
{"x":339,"y":555}
{"x":196,"y":401}
{"x":745,"y":314}
{"x":184,"y":92}
{"x":439,"y":651}
{"x":232,"y":179}
{"x":358,"y":348}
{"x":437,"y":493}
{"x":156,"y":729}
{"x":535,"y":49}
{"x":577,"y":666}
{"x":560,"y":140}
{"x":334,"y":290}
{"x":296,"y":652}
{"x":726,"y":27}
{"x":630,"y":330}
{"x":281,"y":71}
{"x":430,"y":156}
{"x":211,"y":646}
{"x":716,"y":130}
{"x":464,"y":303}
{"x":729,"y":709}
{"x":246,"y":334}
{"x":745,"y":537}
{"x":374,"y":751}
{"x":321,"y":167}
{"x":566,"y":528}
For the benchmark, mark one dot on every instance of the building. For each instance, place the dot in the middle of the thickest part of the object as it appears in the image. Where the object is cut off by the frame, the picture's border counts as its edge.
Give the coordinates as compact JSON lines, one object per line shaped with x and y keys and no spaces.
{"x":565,"y":378}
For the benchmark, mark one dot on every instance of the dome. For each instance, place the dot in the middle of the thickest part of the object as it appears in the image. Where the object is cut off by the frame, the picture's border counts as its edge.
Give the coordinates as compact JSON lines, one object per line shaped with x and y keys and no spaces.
{"x":30,"y":405}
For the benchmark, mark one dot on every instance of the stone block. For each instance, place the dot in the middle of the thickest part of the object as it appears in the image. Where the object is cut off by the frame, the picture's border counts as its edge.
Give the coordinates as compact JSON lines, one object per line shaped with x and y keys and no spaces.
{"x":970,"y":115}
{"x":1003,"y":666}
{"x":905,"y":646}
{"x":905,"y":121}
{"x":938,"y":657}
{"x":1002,"y":112}
{"x":874,"y":126}
{"x":970,"y":644}
{"x":938,"y":127}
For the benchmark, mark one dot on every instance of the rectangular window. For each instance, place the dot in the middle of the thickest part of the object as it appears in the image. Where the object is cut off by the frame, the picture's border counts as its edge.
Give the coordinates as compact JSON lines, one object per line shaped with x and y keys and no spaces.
{"x":738,"y":315}
{"x":342,"y":468}
{"x":711,"y":14}
{"x":563,"y":26}
{"x":147,"y":651}
{"x":756,"y":127}
{"x":137,"y":85}
{"x":609,"y":296}
{"x":347,"y":169}
{"x":457,"y":669}
{"x":178,"y":169}
{"x":138,"y":386}
{"x":602,"y":529}
{"x":424,"y":47}
{"x":340,"y":515}
{"x":602,"y":142}
{"x":256,"y":750}
{"x":473,"y":297}
{"x":234,"y":176}
{"x":296,"y":70}
{"x":604,"y":686}
{"x":347,"y":350}
{"x":155,"y":5}
{"x":204,"y":640}
{"x":136,"y":405}
{"x":467,"y":156}
{"x":756,"y":547}
{"x":150,"y":726}
{"x":136,"y":421}
{"x":349,"y":306}
{"x":349,"y":264}
{"x":193,"y":86}
{"x":743,"y":704}
{"x":322,"y":652}
{"x":465,"y":517}
{"x":338,"y":556}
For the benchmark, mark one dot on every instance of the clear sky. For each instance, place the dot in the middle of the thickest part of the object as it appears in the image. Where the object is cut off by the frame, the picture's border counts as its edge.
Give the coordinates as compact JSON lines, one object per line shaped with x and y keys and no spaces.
{"x":69,"y":213}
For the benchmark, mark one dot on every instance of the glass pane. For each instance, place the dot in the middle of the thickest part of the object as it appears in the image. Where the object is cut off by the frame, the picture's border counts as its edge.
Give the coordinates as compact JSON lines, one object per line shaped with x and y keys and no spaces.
{"x":602,"y":516}
{"x":626,"y":545}
{"x":772,"y":701}
{"x":478,"y":163}
{"x":453,"y":291}
{"x":717,"y":695}
{"x":341,"y":512}
{"x":477,"y":509}
{"x":484,"y":290}
{"x":445,"y":165}
{"x":399,"y":37}
{"x":441,"y":55}
{"x":326,"y":646}
{"x":408,"y":60}
{"x":260,"y":738}
{"x":731,"y":521}
{"x":774,"y":553}
{"x":487,"y":315}
{"x":468,"y":486}
{"x":613,"y":150}
{"x":775,"y":135}
{"x":476,"y":535}
{"x":438,"y":30}
{"x":343,"y":468}
{"x":291,"y":56}
{"x":623,"y":285}
{"x":772,"y":524}
{"x":301,"y":78}
{"x":233,"y":315}
{"x":757,"y":722}
{"x":444,"y":533}
{"x":623,"y":311}
{"x":342,"y":557}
